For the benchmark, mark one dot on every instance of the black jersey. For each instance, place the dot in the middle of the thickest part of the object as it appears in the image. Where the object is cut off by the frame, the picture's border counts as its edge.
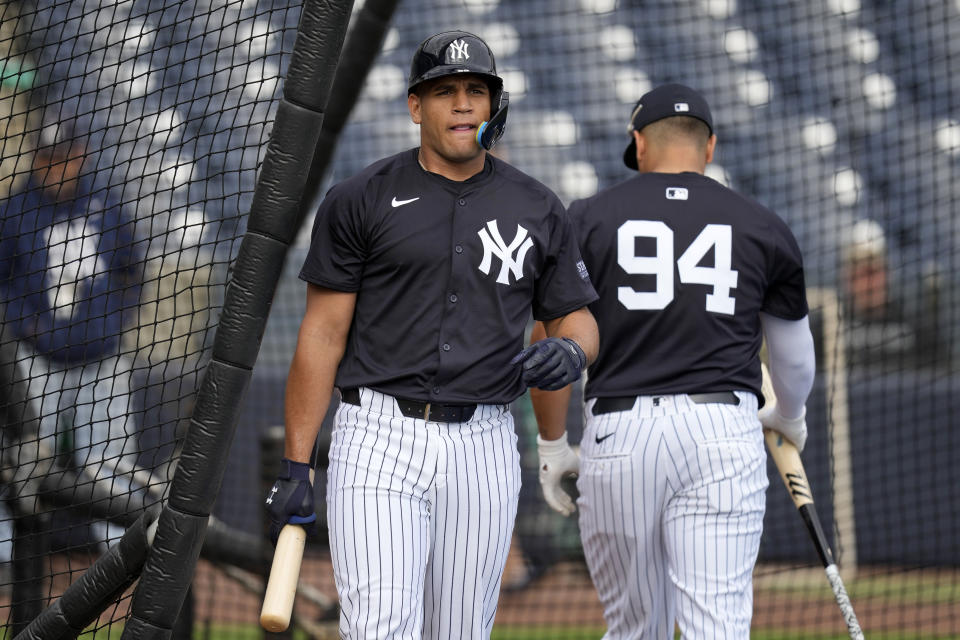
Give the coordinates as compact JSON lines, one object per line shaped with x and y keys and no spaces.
{"x":446,"y":274}
{"x":683,"y":266}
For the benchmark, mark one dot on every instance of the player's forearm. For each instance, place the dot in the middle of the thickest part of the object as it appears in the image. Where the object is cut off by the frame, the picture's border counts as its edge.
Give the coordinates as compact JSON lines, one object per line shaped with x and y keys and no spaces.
{"x":579,"y":326}
{"x":550,"y":409}
{"x":320,"y":346}
{"x":792,"y":362}
{"x":308,"y":393}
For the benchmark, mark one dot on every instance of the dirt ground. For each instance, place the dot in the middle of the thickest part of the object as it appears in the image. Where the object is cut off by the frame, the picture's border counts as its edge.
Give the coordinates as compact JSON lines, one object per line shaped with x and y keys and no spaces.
{"x":784,"y":599}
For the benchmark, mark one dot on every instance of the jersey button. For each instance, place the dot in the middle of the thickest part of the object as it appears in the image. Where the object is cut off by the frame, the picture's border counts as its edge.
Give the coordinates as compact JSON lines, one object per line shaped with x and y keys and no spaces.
{"x":461,"y":202}
{"x":436,"y":391}
{"x":458,"y":249}
{"x":453,"y":297}
{"x":445,"y":347}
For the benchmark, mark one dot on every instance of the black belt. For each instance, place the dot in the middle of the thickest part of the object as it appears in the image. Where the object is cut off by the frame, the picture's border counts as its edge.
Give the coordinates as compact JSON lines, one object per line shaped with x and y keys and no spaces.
{"x":429,"y":411}
{"x":623,"y":403}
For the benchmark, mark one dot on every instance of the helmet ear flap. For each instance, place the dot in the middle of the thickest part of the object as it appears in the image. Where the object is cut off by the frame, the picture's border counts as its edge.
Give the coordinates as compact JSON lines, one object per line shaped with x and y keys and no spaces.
{"x":489,"y":132}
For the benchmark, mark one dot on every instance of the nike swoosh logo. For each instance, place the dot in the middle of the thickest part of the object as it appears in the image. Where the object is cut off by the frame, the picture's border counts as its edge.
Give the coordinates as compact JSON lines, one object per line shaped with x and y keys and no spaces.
{"x":400,"y":203}
{"x":599,"y":439}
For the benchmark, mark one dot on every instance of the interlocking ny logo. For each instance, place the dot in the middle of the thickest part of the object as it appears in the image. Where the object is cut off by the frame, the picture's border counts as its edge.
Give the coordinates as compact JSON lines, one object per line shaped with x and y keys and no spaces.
{"x":458,"y":50}
{"x":493,"y":245}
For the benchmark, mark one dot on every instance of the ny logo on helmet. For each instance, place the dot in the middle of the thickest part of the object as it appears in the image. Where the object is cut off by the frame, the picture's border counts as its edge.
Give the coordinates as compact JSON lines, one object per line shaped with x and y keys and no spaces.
{"x":493,"y":245}
{"x":458,"y":50}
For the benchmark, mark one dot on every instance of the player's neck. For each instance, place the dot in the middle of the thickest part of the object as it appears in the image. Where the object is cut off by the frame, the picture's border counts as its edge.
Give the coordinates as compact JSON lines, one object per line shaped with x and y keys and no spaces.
{"x":451,"y":170}
{"x":674,"y":161}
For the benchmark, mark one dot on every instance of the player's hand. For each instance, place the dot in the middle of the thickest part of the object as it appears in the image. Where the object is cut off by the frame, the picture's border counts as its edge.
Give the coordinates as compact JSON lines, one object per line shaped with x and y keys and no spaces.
{"x":793,"y":429}
{"x":290,"y":500}
{"x":551,"y":363}
{"x":557,"y":461}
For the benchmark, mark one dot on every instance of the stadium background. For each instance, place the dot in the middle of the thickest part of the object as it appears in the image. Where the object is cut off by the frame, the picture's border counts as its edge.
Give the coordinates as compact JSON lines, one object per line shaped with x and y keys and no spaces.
{"x":841,"y":115}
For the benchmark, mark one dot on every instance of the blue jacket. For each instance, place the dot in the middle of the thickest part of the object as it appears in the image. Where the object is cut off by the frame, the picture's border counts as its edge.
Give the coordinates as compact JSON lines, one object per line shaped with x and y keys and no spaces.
{"x":68,"y":273}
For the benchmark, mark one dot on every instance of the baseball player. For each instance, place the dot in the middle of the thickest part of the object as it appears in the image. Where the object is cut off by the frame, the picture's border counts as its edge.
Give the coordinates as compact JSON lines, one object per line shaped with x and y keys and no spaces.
{"x":422,"y":272}
{"x":672,"y":468}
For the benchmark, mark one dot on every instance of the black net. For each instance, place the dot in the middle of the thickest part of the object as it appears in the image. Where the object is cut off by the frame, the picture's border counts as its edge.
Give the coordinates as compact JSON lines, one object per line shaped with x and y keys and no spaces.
{"x":132,"y":134}
{"x":840,"y":115}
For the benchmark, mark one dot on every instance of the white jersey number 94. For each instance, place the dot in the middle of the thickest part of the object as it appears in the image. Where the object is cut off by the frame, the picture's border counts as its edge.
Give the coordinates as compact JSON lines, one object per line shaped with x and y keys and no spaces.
{"x":720,"y":276}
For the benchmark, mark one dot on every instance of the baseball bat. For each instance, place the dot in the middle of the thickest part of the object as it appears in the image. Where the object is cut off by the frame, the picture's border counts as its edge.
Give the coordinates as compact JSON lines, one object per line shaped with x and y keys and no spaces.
{"x":284,"y":576}
{"x":787,"y":459}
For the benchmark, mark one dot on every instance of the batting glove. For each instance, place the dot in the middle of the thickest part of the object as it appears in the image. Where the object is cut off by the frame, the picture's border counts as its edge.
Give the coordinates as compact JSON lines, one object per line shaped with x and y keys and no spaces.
{"x":290,"y":501}
{"x":557,"y":461}
{"x":793,"y":429}
{"x":551,"y":363}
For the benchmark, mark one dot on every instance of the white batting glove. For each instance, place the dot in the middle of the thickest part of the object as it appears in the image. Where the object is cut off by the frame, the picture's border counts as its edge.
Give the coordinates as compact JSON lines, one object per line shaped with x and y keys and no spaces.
{"x":557,"y":461}
{"x":793,"y":429}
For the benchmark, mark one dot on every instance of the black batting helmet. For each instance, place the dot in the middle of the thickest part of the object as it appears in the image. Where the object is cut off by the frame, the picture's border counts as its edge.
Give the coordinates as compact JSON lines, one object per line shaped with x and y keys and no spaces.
{"x":453,"y":52}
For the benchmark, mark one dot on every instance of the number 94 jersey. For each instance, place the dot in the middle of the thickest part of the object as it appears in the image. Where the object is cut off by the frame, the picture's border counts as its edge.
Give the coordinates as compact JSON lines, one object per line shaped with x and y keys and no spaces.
{"x":683,"y":267}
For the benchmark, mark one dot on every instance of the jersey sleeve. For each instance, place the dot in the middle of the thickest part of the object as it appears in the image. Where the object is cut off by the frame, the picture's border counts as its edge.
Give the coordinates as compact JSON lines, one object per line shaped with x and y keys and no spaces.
{"x":337,"y":247}
{"x":576,"y":212}
{"x":786,"y":295}
{"x":564,"y":285}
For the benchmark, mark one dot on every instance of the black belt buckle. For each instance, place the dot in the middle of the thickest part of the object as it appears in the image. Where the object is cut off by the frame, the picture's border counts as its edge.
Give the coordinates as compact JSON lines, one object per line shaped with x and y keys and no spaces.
{"x":436,"y":412}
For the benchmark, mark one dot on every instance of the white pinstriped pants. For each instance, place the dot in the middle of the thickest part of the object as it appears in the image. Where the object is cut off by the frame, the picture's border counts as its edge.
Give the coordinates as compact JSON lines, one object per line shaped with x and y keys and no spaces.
{"x":421,"y":516}
{"x":671,"y":512}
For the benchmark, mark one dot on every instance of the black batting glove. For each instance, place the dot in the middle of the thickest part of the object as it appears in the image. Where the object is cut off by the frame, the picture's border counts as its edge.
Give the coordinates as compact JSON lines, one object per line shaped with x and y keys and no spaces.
{"x":551,"y":363}
{"x":290,"y":501}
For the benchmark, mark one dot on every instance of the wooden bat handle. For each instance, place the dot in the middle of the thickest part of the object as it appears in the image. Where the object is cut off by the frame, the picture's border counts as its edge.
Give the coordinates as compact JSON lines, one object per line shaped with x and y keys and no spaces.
{"x":788,"y":462}
{"x":284,"y":575}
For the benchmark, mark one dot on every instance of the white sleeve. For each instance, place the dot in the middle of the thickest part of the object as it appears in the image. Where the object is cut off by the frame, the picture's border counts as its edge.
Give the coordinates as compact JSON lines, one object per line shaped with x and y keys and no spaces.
{"x":792,"y":362}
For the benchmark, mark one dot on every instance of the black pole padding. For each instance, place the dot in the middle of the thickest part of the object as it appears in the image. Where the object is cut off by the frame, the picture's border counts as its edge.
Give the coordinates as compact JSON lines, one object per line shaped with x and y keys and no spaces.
{"x":166,"y":577}
{"x":203,"y":460}
{"x":52,"y":624}
{"x":316,"y":53}
{"x":247,"y":300}
{"x":139,"y":629}
{"x":97,"y":588}
{"x":168,"y":570}
{"x":183,"y":627}
{"x":286,"y":164}
{"x":361,"y":48}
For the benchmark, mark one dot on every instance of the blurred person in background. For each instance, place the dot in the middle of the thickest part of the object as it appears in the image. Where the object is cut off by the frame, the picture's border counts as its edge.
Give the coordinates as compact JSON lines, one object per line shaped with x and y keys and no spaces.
{"x":69,"y":276}
{"x":894,"y":310}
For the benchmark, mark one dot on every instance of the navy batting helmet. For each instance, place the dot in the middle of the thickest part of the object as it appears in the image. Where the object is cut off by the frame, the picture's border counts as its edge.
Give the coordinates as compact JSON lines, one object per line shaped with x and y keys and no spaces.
{"x":453,"y":52}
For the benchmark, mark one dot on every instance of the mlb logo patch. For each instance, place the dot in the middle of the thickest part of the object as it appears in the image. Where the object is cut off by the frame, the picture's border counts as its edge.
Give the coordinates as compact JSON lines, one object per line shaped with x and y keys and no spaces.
{"x":681,"y":107}
{"x":677,"y":193}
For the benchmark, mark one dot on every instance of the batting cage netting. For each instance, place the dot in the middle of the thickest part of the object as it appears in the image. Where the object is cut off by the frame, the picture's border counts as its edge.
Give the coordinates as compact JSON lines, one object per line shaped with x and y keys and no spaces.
{"x":133,"y":135}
